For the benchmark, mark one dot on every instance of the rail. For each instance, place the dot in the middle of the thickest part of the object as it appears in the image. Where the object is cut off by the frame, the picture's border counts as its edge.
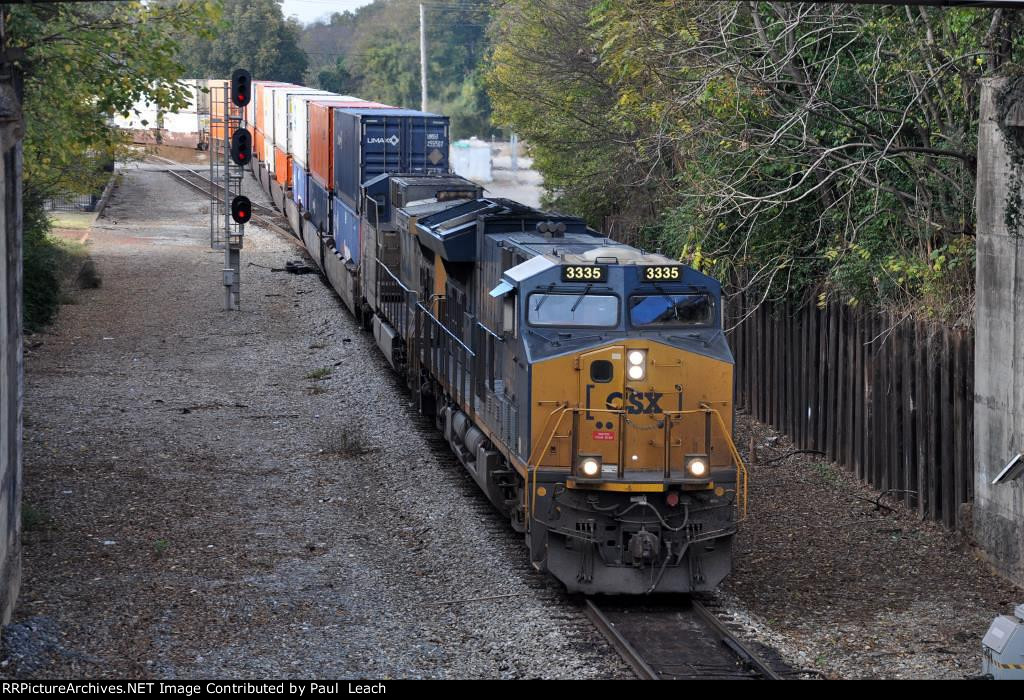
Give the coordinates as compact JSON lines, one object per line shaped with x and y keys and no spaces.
{"x":676,"y":641}
{"x":184,"y":175}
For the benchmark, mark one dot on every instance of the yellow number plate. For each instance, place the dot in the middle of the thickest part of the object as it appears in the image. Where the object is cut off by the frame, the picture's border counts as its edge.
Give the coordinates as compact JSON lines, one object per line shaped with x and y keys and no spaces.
{"x":584,"y":273}
{"x":661,"y":273}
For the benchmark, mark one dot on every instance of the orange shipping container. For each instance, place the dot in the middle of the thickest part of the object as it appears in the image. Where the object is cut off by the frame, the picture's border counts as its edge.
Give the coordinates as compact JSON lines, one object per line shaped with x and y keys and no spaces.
{"x":282,"y":167}
{"x":321,"y":136}
{"x":258,"y":94}
{"x":218,"y":89}
{"x":257,"y":144}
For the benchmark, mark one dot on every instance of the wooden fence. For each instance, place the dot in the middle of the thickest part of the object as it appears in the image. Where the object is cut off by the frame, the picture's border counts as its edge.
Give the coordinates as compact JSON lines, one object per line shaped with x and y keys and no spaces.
{"x":892,"y":400}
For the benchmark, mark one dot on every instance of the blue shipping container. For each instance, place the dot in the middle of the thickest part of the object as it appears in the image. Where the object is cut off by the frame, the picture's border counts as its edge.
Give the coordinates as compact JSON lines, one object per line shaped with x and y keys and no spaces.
{"x":319,"y":206}
{"x":346,"y":230}
{"x":370,"y":142}
{"x":299,"y":188}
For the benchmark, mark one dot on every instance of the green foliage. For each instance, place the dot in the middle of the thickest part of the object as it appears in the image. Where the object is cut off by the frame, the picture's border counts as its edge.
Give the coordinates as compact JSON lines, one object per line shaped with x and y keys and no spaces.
{"x":338,"y":79}
{"x":82,"y":63}
{"x":785,"y":146}
{"x":545,"y":82}
{"x":252,"y":34}
{"x":40,"y":260}
{"x":318,"y":374}
{"x":373,"y":53}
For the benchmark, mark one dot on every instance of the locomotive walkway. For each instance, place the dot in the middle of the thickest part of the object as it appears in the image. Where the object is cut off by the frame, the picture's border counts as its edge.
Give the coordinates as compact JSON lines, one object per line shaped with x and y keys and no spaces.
{"x":247,"y":494}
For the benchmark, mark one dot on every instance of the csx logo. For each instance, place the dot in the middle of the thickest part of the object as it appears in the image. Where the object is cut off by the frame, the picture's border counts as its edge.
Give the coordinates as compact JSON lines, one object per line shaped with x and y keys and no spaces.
{"x":634,"y":402}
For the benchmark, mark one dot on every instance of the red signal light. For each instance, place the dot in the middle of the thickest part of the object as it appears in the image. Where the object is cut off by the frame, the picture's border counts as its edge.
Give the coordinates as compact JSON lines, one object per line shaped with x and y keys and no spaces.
{"x":241,"y":209}
{"x":241,"y":87}
{"x":240,"y":143}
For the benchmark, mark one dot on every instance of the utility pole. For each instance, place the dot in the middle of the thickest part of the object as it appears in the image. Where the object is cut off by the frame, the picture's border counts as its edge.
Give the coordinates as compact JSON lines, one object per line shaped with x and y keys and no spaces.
{"x":423,"y":58}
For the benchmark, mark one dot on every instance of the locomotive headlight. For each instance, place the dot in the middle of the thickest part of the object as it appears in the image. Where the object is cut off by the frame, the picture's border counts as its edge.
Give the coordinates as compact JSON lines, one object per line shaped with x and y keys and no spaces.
{"x":637,"y":364}
{"x":698,"y":467}
{"x":590,"y":466}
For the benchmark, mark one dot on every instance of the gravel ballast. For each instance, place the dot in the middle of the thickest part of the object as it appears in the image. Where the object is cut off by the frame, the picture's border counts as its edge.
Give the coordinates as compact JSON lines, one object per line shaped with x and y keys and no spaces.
{"x":250,"y":494}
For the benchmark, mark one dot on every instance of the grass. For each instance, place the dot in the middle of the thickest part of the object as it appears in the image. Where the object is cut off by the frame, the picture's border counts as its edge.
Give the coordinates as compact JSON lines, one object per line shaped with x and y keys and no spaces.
{"x":318,"y":374}
{"x":52,"y":266}
{"x":348,"y":444}
{"x":160,"y":546}
{"x":33,"y":517}
{"x":827,"y":473}
{"x":77,"y":220}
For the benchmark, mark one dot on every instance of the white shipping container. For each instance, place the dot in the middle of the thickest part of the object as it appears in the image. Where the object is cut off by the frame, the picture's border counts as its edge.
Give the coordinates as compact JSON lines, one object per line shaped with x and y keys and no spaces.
{"x":149,"y":113}
{"x":202,"y":103}
{"x":471,"y":158}
{"x":281,"y":114}
{"x":141,"y":111}
{"x":193,"y":94}
{"x":298,"y":123}
{"x":268,"y":119}
{"x":181,"y":122}
{"x":269,"y":98}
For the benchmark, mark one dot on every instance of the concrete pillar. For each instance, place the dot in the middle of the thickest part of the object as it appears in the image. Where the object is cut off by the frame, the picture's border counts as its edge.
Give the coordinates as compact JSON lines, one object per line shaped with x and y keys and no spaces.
{"x":999,"y":352}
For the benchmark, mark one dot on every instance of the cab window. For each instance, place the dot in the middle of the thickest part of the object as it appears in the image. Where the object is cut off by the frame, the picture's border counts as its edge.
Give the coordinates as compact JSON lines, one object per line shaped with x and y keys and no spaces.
{"x":669,"y":310}
{"x":573,"y":310}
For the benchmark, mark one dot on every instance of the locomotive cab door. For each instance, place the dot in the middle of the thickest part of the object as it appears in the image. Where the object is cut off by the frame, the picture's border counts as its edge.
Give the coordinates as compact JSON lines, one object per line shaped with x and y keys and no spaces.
{"x":596,"y":429}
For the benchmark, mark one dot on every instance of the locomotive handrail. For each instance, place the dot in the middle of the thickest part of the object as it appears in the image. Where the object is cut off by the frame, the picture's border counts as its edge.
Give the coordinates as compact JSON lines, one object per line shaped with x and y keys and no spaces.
{"x":741,"y":468}
{"x":447,"y":332}
{"x":534,"y":459}
{"x":382,"y":265}
{"x":491,"y":333}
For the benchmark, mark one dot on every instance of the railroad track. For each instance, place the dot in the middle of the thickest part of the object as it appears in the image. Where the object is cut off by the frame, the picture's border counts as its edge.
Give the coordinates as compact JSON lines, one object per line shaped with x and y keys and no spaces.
{"x":676,"y":641}
{"x":203,"y":184}
{"x":263,"y":215}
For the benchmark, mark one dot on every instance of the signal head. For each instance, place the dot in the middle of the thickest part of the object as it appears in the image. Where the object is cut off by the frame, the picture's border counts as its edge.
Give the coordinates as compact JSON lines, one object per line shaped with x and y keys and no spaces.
{"x":241,"y":87}
{"x":241,"y":147}
{"x":241,"y":209}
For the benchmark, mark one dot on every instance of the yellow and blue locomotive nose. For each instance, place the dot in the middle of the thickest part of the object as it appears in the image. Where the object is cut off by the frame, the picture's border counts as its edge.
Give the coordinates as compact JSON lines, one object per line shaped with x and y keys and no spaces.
{"x":643,"y":415}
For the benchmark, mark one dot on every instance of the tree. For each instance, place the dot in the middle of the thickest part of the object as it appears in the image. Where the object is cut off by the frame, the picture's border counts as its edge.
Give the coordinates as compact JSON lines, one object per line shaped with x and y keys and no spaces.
{"x":546,"y":82}
{"x":81,"y":63}
{"x":337,"y":79}
{"x":374,"y":53}
{"x":252,"y":34}
{"x":790,"y":145}
{"x":325,"y":43}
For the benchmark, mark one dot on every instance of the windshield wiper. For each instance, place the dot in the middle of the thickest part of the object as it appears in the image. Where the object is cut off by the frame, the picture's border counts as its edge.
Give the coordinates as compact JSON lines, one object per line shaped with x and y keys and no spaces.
{"x":585,"y":290}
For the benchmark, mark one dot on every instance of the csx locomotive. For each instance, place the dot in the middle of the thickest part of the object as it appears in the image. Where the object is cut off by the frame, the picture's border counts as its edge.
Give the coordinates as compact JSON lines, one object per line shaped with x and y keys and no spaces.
{"x":585,"y":385}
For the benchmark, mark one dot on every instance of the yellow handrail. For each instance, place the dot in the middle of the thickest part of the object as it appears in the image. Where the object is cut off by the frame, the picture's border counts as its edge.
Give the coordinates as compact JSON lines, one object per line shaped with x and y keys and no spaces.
{"x":534,"y":461}
{"x":741,"y":468}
